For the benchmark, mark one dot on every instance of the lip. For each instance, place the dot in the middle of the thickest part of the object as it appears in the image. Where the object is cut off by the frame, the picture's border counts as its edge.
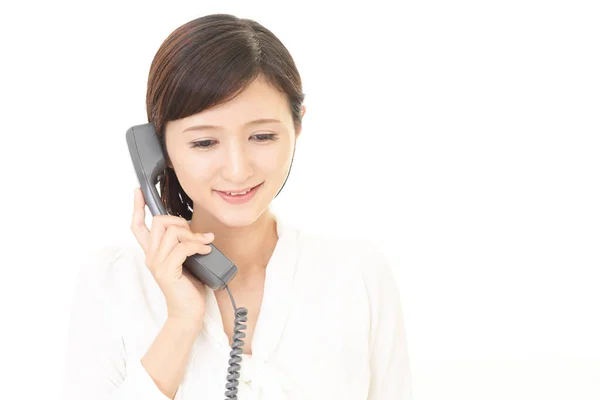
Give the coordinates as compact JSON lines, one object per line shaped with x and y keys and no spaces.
{"x":237,"y":190}
{"x":239,"y":199}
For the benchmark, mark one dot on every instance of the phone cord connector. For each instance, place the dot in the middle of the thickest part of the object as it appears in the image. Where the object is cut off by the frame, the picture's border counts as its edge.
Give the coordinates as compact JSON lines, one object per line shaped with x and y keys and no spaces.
{"x":241,"y":316}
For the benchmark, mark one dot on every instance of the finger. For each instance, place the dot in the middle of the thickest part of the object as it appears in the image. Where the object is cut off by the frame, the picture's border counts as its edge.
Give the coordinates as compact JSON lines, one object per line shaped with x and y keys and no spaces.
{"x":175,"y":235}
{"x":160,"y":223}
{"x":172,"y":266}
{"x":138,"y":222}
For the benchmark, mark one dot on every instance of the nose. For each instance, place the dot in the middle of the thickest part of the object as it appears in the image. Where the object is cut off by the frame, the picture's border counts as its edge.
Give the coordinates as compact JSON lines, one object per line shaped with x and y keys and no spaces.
{"x":237,"y":165}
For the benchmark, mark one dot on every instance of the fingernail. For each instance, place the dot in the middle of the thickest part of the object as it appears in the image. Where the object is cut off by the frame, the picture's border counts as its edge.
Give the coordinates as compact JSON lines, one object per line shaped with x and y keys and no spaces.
{"x":208,"y":234}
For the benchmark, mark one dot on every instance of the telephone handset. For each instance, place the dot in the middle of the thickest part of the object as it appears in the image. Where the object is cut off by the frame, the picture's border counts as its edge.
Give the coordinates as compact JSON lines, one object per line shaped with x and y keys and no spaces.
{"x":213,"y":269}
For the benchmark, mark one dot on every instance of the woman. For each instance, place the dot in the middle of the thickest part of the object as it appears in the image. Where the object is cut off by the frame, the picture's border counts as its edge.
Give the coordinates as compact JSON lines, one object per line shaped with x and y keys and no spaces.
{"x":324,"y":316}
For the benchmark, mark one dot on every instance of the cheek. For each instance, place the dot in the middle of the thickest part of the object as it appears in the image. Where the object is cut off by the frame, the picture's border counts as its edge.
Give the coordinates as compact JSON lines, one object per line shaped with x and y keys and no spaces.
{"x":274,"y":164}
{"x":280,"y":156}
{"x":194,"y":170}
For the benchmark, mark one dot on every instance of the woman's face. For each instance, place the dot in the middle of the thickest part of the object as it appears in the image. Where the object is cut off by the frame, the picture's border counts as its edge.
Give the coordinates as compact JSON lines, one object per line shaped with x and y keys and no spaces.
{"x":234,"y":153}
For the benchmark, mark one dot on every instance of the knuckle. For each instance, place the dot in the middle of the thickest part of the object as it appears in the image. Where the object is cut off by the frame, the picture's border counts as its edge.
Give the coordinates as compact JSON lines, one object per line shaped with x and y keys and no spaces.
{"x":181,"y":248}
{"x":185,"y":232}
{"x":157,"y":220}
{"x":172,"y":228}
{"x":169,"y":222}
{"x":169,"y":231}
{"x":172,"y":231}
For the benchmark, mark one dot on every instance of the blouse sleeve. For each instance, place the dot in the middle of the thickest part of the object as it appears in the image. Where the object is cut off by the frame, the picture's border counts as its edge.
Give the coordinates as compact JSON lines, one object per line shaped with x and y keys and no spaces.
{"x":95,"y":363}
{"x":389,"y":360}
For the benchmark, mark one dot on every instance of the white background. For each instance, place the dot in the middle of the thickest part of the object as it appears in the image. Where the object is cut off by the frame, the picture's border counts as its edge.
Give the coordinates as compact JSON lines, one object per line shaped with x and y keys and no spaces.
{"x":462,"y":136}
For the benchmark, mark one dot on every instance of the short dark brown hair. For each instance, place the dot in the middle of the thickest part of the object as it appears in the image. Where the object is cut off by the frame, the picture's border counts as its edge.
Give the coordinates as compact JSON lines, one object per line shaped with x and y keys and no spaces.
{"x":207,"y":62}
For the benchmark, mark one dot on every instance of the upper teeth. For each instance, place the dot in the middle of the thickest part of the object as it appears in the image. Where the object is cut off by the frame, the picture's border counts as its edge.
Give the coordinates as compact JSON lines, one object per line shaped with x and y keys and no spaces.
{"x":238,"y":194}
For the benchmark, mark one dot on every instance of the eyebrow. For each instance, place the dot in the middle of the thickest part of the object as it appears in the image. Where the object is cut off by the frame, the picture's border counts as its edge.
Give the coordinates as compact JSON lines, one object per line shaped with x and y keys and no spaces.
{"x":254,"y":122}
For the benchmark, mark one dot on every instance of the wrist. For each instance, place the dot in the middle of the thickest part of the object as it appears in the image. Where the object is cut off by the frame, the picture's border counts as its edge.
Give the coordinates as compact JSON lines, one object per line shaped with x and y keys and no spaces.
{"x":184,"y":323}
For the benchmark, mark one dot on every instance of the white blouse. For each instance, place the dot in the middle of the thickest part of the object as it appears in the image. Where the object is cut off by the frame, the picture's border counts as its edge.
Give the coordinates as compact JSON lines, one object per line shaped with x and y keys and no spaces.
{"x":330,"y":327}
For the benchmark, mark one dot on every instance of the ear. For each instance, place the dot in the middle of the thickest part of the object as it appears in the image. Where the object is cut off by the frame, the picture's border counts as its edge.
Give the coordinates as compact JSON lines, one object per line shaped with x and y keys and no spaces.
{"x":302,"y":116}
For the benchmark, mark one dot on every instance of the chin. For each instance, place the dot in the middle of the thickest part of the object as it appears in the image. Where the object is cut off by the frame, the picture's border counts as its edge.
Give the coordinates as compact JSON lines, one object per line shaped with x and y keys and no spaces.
{"x":236,"y":216}
{"x":237,"y":219}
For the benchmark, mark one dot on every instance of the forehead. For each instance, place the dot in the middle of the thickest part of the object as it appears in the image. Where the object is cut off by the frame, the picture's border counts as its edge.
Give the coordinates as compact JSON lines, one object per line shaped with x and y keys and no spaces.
{"x":258,"y":100}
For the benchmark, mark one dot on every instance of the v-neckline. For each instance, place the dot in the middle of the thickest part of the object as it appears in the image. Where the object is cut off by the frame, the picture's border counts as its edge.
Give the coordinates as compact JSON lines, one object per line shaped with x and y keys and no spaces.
{"x":277,"y":295}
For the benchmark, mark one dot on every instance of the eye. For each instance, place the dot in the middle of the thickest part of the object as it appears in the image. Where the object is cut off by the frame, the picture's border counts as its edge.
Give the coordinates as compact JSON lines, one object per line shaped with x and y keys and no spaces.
{"x":203,"y":144}
{"x":264,"y":137}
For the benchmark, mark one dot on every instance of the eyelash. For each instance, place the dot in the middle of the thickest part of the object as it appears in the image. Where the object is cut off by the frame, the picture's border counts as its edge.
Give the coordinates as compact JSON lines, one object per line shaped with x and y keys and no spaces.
{"x":269,"y":137}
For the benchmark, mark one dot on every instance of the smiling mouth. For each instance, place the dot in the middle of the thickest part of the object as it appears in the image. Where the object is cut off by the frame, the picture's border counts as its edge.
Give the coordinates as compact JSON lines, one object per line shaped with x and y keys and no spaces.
{"x":239,"y":192}
{"x":240,"y":197}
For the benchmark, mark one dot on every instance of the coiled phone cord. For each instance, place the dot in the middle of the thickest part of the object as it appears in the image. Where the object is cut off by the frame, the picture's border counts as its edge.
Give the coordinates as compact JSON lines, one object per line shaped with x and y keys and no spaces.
{"x":236,"y":349}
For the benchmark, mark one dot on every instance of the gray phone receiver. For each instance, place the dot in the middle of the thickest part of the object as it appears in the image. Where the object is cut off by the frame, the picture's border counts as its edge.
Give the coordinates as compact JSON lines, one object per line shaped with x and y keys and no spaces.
{"x":213,"y":269}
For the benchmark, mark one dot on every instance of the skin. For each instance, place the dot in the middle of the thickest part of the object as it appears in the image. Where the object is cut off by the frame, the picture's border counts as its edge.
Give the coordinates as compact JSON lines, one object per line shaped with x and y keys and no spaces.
{"x":237,"y":157}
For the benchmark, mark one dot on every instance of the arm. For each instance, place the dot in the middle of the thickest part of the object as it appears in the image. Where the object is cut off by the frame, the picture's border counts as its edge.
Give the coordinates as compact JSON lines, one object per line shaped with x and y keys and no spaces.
{"x":96,"y":367}
{"x":389,"y":361}
{"x":168,"y":355}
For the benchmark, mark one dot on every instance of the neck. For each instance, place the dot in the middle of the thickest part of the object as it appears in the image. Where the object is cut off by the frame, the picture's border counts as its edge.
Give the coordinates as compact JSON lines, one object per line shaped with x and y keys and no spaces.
{"x":248,"y":247}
